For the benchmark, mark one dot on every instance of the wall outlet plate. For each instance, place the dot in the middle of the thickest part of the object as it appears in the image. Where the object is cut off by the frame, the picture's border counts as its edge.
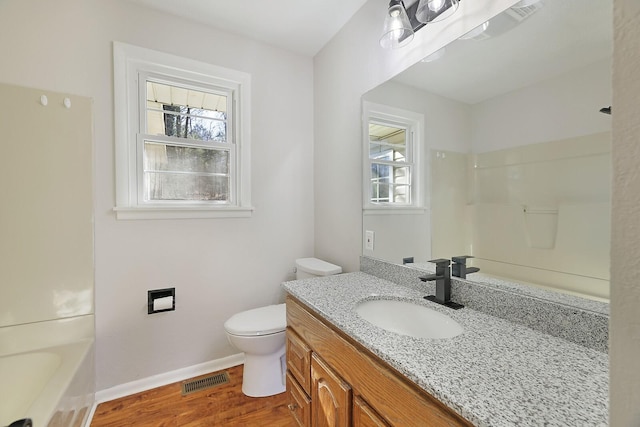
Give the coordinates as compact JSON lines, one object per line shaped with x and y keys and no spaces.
{"x":369,"y":238}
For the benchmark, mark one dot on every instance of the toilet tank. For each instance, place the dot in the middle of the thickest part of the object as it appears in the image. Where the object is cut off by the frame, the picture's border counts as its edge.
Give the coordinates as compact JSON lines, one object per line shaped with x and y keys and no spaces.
{"x":314,"y":267}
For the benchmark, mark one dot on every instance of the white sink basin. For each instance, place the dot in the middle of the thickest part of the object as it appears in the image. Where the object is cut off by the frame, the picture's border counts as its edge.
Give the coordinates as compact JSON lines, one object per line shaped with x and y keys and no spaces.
{"x":407,"y":318}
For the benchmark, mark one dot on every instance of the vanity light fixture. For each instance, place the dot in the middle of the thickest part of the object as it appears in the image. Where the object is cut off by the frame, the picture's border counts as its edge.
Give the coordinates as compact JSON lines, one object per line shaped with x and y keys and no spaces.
{"x":401,"y":23}
{"x":398,"y":31}
{"x":435,"y":10}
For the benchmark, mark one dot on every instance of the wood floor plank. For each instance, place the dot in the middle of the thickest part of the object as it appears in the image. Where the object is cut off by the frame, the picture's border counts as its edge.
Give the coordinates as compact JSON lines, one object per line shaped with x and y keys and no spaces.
{"x":224,"y":405}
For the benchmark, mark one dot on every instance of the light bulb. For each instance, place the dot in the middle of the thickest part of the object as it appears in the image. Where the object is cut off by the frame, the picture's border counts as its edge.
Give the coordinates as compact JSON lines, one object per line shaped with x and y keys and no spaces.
{"x":435,"y":5}
{"x":435,"y":10}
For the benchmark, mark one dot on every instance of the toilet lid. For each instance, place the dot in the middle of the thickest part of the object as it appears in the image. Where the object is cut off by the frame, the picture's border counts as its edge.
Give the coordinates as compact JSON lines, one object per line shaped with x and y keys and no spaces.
{"x":317,"y":267}
{"x":258,"y":321}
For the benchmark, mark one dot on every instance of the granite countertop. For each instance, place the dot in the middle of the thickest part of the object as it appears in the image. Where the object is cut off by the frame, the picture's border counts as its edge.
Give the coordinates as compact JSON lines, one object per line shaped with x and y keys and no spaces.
{"x":496,"y":373}
{"x":596,"y":306}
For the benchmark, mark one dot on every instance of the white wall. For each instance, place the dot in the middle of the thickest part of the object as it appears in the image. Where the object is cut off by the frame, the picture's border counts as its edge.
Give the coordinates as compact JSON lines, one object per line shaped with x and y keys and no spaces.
{"x":558,"y":108}
{"x":218,"y":266}
{"x":625,"y":248}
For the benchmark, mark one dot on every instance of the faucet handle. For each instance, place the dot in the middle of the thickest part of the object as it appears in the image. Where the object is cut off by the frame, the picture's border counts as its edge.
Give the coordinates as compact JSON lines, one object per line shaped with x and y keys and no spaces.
{"x":441,"y":262}
{"x":461,"y":259}
{"x":459,"y":267}
{"x":430,"y":277}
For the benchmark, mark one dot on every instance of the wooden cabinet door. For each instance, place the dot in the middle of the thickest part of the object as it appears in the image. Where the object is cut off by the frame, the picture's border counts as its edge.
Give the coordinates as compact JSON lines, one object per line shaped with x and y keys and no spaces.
{"x":365,"y":416}
{"x":299,"y":402}
{"x":299,"y":360}
{"x":330,"y":397}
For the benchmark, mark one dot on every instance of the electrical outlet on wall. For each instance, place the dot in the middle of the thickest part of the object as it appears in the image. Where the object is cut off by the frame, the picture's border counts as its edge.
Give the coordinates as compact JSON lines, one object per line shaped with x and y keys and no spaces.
{"x":369,"y":237}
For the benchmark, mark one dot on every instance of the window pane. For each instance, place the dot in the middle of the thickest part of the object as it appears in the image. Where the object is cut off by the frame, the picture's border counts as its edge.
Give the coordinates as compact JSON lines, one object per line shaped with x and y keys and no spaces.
{"x":402,"y":175}
{"x":387,"y":142}
{"x":392,"y":174}
{"x":186,"y":113}
{"x":401,"y":194}
{"x":379,"y":192}
{"x":379,"y":171}
{"x":382,"y":192}
{"x":163,"y":157}
{"x":176,"y":186}
{"x":185,"y":173}
{"x":390,"y":184}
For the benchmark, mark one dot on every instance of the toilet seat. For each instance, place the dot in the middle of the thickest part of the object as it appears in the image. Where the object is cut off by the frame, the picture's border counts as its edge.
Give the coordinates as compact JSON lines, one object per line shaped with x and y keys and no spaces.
{"x":258,"y":321}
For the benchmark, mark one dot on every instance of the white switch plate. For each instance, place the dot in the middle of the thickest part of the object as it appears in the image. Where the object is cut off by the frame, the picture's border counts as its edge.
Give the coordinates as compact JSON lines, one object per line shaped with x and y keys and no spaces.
{"x":369,"y":237}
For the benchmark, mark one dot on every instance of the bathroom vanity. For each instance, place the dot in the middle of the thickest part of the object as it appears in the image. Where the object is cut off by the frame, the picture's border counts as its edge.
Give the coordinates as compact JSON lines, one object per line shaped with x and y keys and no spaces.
{"x":343,"y":370}
{"x":346,"y":381}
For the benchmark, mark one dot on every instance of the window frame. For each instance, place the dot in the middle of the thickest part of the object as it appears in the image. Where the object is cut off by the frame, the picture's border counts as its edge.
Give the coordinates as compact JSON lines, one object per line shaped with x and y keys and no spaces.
{"x":133,"y":65}
{"x":414,"y":125}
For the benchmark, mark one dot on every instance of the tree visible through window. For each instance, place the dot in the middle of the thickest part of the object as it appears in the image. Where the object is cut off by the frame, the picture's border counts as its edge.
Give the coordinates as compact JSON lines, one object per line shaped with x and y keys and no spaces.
{"x":194,"y":163}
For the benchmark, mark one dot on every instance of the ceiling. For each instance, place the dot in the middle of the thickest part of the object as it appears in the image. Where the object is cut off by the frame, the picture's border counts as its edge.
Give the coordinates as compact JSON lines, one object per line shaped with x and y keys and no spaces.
{"x":558,"y":37}
{"x":300,"y":26}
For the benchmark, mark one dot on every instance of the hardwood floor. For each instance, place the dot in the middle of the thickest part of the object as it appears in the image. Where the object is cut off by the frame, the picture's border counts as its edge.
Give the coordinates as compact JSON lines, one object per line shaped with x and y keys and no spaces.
{"x":224,"y":405}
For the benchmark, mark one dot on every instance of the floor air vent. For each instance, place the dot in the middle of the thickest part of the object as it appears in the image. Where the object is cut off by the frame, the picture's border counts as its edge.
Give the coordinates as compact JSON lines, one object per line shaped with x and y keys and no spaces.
{"x":211,"y":381}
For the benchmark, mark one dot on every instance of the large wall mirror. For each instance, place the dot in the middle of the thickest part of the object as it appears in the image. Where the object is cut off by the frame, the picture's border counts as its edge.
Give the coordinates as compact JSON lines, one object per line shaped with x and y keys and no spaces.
{"x":515,"y":150}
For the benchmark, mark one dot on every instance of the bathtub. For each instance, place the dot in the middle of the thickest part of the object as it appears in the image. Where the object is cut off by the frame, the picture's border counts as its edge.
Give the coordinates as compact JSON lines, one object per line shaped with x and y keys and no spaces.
{"x":47,"y":372}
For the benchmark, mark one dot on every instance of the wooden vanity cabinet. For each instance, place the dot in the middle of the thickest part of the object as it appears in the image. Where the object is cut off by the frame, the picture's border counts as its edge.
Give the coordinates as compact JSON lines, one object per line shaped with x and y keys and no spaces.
{"x":330,"y":395}
{"x":333,"y":381}
{"x":365,"y":416}
{"x":298,"y":355}
{"x":299,"y":360}
{"x":299,"y":402}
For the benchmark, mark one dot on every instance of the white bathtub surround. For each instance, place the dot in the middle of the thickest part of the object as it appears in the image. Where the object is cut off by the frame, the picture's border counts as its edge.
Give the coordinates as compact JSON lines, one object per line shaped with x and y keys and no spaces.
{"x":49,"y":369}
{"x":47,"y":269}
{"x":495,"y":373}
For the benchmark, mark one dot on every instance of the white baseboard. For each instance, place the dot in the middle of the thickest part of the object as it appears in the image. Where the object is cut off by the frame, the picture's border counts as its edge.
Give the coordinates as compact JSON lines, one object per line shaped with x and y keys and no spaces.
{"x":159,"y":380}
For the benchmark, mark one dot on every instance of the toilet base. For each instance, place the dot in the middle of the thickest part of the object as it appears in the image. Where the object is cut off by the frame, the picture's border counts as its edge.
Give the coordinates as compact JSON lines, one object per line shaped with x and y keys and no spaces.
{"x":264,"y":375}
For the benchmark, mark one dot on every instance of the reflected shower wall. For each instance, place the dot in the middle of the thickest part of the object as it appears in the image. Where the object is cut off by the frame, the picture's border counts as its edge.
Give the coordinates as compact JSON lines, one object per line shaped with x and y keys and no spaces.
{"x":538,"y":213}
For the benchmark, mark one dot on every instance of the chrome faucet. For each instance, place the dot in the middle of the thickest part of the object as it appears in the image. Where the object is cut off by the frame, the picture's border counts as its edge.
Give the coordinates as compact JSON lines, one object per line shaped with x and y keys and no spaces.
{"x":443,"y":284}
{"x":459,"y":267}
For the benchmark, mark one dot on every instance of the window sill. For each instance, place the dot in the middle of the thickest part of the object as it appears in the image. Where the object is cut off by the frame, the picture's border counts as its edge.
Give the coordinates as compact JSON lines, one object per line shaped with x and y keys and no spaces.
{"x":393,"y":210}
{"x":182,"y":212}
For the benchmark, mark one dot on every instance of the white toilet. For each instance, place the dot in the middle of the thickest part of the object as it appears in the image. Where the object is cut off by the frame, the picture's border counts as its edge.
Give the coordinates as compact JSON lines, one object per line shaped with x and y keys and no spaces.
{"x":260,"y":334}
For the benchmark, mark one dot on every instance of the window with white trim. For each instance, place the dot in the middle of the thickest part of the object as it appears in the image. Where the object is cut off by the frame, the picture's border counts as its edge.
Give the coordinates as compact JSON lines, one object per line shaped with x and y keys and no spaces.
{"x":392,"y":161}
{"x":182,"y":141}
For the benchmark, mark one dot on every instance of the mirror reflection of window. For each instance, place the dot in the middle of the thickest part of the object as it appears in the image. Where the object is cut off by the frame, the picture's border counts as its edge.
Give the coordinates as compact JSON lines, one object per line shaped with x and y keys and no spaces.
{"x":392,"y":162}
{"x":390,"y":174}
